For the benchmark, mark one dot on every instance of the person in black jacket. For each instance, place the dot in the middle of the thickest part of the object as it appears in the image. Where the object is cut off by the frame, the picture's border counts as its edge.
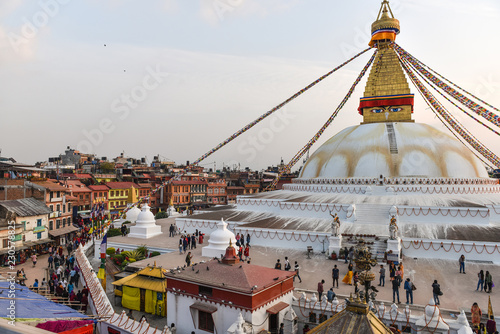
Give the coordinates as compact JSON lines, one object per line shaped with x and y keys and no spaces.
{"x":395,"y":289}
{"x":436,"y":291}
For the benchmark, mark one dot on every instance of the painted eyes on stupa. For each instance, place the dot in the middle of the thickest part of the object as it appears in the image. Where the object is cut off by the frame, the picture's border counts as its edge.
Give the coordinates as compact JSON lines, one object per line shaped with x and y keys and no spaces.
{"x":377,"y":111}
{"x":395,"y":109}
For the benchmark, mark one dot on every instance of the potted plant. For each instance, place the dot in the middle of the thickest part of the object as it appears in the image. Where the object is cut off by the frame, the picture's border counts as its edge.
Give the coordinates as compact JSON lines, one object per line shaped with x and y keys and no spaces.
{"x":334,"y":255}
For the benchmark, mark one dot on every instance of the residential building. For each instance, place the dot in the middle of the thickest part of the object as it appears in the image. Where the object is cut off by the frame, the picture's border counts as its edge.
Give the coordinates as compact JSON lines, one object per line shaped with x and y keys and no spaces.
{"x":180,"y":193}
{"x":216,"y":192}
{"x":32,"y":215}
{"x":82,"y":194}
{"x":100,"y":194}
{"x":58,"y":200}
{"x":233,"y":192}
{"x":198,"y":193}
{"x":121,"y":194}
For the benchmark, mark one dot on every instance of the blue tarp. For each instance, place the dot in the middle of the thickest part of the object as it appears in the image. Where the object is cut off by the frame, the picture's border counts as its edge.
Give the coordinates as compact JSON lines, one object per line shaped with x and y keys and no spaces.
{"x":33,"y":305}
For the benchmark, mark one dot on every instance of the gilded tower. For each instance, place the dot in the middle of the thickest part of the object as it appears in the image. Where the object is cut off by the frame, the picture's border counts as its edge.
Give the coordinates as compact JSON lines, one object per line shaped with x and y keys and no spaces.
{"x":387,"y":96}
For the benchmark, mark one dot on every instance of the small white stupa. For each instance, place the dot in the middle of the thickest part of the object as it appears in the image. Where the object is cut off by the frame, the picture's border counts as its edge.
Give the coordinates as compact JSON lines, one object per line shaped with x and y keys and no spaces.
{"x":131,"y":216}
{"x":171,"y":210}
{"x":219,"y":241}
{"x":145,"y":225}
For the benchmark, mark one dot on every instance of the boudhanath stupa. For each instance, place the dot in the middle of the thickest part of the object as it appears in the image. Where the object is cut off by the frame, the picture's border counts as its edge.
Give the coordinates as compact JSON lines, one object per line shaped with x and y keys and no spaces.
{"x":436,"y":191}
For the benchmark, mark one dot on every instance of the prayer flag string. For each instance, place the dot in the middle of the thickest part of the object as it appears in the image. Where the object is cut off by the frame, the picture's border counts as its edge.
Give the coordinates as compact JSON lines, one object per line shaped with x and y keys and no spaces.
{"x":476,"y":108}
{"x":318,"y":134}
{"x":239,"y":132}
{"x":436,"y":105}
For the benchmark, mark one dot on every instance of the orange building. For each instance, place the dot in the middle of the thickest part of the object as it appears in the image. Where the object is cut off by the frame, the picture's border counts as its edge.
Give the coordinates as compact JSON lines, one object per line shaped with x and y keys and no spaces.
{"x":180,"y":193}
{"x":82,"y":194}
{"x":216,"y":192}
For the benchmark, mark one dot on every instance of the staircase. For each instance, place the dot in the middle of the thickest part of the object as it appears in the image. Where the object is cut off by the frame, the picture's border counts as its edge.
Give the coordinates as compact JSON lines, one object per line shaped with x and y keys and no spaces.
{"x":372,"y":213}
{"x":393,"y":145}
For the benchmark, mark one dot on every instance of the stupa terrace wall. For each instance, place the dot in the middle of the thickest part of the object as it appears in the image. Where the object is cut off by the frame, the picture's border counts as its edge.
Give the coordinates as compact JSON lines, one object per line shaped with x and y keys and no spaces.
{"x":397,"y":181}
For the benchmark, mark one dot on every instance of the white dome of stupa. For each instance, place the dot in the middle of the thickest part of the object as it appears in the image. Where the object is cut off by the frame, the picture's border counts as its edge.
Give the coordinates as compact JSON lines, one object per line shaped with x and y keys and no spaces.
{"x":145,"y":217}
{"x":219,"y":241}
{"x":145,"y":226}
{"x":411,"y":149}
{"x":132,"y":214}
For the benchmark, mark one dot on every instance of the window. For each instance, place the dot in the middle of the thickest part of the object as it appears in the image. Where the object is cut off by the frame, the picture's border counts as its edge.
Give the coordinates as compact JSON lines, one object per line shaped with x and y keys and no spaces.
{"x":51,"y":225}
{"x":69,"y":207}
{"x":5,"y":243}
{"x":81,"y":197}
{"x":64,"y":222}
{"x":69,"y":221}
{"x":58,"y":223}
{"x":64,"y":208}
{"x":222,"y":191}
{"x":51,"y":207}
{"x":51,"y":195}
{"x":204,"y":290}
{"x":205,"y":321}
{"x":58,"y":194}
{"x":58,"y":207}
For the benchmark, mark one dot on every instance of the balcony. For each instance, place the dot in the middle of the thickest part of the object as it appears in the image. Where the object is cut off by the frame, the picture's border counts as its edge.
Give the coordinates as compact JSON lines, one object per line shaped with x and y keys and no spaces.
{"x":56,"y":199}
{"x":55,"y":214}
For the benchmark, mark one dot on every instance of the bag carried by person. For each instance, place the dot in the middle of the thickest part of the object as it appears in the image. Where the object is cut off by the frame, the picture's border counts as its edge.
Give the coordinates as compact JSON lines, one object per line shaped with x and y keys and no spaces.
{"x":413,"y":287}
{"x":440,"y":293}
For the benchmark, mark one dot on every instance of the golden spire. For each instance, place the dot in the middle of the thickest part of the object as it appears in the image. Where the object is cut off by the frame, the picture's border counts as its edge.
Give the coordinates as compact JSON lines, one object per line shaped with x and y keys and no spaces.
{"x":387,"y":96}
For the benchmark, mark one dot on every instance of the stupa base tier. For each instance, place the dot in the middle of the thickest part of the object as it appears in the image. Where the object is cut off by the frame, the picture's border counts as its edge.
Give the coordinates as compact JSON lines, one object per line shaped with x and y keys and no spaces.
{"x":144,"y":232}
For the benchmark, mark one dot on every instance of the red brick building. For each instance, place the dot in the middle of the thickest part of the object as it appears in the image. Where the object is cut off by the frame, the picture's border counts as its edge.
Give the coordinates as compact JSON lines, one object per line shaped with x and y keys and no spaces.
{"x":216,"y":192}
{"x":100,"y":195}
{"x":233,"y":192}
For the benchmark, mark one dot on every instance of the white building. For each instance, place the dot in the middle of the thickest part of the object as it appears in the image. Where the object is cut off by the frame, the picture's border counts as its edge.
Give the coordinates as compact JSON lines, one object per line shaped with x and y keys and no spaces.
{"x":210,"y":296}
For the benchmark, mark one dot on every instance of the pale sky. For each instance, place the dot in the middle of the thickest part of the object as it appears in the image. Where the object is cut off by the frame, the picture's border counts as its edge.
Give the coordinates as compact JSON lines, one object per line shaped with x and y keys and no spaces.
{"x":176,"y":77}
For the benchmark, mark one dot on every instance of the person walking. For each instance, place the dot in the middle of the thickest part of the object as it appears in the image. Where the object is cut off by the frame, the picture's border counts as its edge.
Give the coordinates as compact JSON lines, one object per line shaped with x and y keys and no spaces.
{"x":436,"y":291}
{"x":348,"y":277}
{"x":51,"y":261}
{"x":346,"y":255}
{"x":33,"y":258}
{"x":409,"y":291}
{"x":248,"y":238}
{"x":461,"y":261}
{"x":480,"y":282}
{"x":381,"y":281}
{"x":296,"y":267}
{"x":188,"y":259}
{"x":320,"y":288}
{"x":335,"y":275}
{"x":277,"y":265}
{"x":287,"y":264}
{"x":395,"y":290}
{"x":488,"y":282}
{"x":476,"y":314}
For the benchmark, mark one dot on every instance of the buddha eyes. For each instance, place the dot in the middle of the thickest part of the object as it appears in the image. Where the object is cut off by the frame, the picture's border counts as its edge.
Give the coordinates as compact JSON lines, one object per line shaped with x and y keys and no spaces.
{"x":382,"y":110}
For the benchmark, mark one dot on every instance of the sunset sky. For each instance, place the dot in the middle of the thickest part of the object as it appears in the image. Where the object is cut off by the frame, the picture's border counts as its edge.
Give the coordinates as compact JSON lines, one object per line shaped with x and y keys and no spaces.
{"x":176,"y":77}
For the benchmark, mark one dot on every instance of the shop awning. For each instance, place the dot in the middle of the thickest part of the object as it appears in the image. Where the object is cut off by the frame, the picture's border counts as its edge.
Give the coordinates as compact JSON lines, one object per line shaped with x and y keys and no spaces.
{"x":62,"y":231}
{"x":276,"y":308}
{"x":204,"y":307}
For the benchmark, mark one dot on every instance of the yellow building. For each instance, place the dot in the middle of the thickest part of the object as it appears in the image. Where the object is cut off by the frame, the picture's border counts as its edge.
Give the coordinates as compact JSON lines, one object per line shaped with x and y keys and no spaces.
{"x":121,"y":194}
{"x":144,"y":290}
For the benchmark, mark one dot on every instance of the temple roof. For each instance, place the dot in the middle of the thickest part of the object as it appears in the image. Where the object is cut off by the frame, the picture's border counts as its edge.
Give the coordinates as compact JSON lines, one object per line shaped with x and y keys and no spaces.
{"x":356,"y":318}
